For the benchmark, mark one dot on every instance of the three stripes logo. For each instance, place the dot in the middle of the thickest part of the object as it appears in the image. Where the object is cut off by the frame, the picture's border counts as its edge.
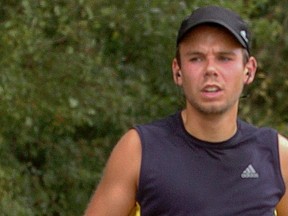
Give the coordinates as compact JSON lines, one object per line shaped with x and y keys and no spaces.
{"x":249,"y":172}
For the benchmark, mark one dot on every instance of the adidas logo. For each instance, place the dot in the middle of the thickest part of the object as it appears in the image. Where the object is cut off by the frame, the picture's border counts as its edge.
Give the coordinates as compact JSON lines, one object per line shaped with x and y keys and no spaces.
{"x":249,"y":172}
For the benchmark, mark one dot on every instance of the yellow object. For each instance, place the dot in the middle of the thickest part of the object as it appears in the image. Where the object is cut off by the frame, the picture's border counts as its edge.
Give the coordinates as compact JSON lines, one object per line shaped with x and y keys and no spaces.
{"x":135,"y":211}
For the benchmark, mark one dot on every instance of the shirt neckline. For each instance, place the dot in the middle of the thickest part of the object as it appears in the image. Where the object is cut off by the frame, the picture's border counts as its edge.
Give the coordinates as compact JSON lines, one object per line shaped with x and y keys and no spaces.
{"x":223,"y":144}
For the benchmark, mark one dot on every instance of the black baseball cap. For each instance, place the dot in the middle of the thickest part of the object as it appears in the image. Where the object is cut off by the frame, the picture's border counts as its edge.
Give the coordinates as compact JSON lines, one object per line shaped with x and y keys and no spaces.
{"x":217,"y":15}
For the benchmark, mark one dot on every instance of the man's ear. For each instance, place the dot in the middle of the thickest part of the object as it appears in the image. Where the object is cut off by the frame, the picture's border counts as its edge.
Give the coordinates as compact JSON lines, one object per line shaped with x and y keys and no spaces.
{"x":177,"y":75}
{"x":250,"y":70}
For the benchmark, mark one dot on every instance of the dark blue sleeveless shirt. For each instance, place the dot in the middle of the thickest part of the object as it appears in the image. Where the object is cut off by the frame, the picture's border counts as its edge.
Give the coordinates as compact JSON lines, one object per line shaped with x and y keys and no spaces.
{"x":183,"y":176}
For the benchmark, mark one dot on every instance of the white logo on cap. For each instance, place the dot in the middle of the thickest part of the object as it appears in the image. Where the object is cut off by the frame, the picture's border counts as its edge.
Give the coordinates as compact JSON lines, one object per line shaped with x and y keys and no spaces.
{"x":244,"y":35}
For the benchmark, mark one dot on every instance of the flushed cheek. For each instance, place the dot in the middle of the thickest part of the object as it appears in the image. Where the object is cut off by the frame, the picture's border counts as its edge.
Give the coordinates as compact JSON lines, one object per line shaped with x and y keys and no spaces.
{"x":190,"y":83}
{"x":235,"y":87}
{"x":191,"y":89}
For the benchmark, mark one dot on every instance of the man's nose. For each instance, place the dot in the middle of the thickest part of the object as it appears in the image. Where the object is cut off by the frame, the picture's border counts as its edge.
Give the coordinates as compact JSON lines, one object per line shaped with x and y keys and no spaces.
{"x":211,"y":68}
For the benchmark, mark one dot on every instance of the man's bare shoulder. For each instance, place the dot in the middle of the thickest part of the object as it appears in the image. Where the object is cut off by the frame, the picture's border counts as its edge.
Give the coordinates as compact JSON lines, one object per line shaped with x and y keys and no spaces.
{"x":116,"y":193}
{"x":129,"y":140}
{"x":283,"y":152}
{"x":283,"y":141}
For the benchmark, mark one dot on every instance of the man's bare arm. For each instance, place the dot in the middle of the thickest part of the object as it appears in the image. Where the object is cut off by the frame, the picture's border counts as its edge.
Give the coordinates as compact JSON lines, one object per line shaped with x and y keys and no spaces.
{"x":116,"y":193}
{"x":282,"y":207}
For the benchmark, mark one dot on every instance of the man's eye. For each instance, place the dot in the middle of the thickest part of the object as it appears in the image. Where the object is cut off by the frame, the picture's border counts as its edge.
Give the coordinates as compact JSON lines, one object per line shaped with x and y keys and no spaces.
{"x":224,"y":58}
{"x":195,"y":59}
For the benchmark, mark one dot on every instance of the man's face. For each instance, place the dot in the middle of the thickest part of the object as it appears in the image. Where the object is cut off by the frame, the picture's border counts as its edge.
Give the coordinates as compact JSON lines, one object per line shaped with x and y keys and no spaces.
{"x":212,"y":73}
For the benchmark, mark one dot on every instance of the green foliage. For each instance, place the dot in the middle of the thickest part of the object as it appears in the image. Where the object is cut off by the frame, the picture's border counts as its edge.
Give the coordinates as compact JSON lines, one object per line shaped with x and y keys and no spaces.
{"x":76,"y":74}
{"x":267,"y":104}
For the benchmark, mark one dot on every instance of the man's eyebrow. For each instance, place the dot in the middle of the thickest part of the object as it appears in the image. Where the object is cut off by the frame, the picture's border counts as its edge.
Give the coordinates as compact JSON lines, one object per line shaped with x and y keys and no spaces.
{"x":191,"y":53}
{"x":226,"y":53}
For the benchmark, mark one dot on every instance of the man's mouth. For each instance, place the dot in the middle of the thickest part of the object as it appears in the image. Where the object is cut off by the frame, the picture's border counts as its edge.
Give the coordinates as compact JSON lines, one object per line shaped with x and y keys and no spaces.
{"x":211,"y":89}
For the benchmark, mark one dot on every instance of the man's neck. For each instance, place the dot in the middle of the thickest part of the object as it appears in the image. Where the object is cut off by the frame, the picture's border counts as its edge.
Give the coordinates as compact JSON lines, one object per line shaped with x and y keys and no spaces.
{"x":210,"y":128}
